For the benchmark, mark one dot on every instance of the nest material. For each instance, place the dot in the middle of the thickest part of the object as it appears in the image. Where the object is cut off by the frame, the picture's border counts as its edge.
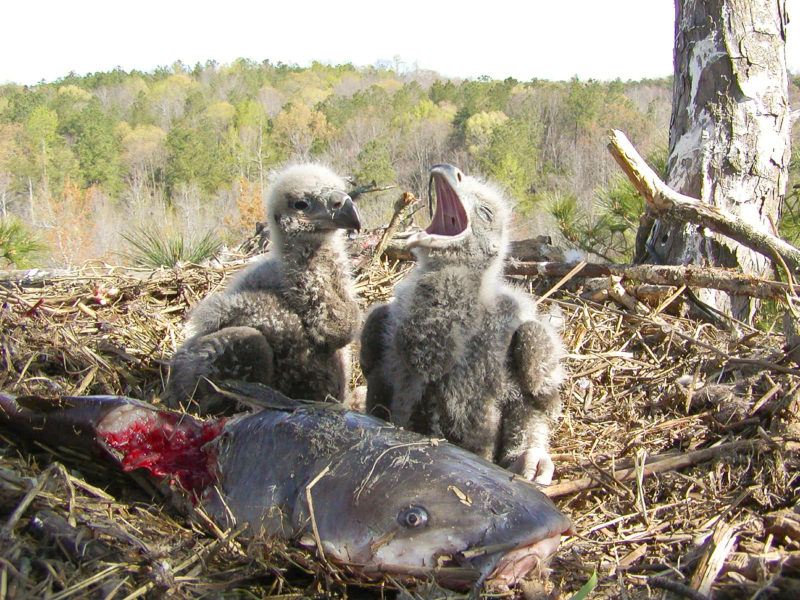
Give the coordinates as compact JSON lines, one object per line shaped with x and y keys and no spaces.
{"x":643,"y":388}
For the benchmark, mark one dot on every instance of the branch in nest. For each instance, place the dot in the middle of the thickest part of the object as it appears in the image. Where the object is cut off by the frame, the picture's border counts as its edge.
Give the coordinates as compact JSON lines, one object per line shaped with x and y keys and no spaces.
{"x":671,"y":463}
{"x":404,"y":201}
{"x":674,"y":275}
{"x":666,"y":203}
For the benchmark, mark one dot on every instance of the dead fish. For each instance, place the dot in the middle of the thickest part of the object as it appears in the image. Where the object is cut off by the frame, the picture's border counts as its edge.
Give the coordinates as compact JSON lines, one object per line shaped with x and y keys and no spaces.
{"x":373,"y":498}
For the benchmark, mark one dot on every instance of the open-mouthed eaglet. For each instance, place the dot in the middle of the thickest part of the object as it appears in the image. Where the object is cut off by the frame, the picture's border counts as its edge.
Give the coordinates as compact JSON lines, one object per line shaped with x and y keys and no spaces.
{"x":287,"y":320}
{"x":459,"y":352}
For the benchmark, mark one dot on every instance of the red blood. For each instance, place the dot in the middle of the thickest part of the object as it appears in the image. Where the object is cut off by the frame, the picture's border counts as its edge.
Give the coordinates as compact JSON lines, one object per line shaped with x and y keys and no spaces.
{"x":167,"y":448}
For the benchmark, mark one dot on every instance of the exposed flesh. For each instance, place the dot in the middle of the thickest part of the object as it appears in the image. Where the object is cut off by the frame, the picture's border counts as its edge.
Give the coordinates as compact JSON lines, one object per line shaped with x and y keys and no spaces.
{"x":162,"y":444}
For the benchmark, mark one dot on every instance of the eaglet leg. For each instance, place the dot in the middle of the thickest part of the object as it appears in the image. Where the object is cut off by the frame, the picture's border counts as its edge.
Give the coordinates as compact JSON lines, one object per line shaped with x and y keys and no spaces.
{"x":240,"y":353}
{"x":372,"y":358}
{"x":536,"y":353}
{"x":525,"y":440}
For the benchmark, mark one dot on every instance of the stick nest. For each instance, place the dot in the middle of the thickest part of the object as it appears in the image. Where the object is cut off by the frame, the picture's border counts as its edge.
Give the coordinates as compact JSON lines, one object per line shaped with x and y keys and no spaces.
{"x":643,"y":387}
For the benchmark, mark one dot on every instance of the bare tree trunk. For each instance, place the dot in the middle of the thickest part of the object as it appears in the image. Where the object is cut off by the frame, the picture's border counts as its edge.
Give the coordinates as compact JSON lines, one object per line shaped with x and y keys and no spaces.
{"x":729,"y":133}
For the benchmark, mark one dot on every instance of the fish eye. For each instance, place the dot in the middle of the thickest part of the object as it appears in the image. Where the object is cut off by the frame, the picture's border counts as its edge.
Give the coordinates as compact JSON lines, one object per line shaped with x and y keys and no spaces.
{"x":485,"y":212}
{"x":301,"y":205}
{"x":413,"y":517}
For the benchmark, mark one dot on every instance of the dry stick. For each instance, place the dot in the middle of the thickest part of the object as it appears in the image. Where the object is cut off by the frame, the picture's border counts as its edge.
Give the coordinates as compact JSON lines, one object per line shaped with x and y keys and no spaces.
{"x":575,"y":270}
{"x":676,"y":588}
{"x":674,"y":275}
{"x":313,"y":518}
{"x":85,"y":583}
{"x":407,"y":199}
{"x":669,"y":204}
{"x":39,"y":484}
{"x":764,"y":364}
{"x":668,"y":464}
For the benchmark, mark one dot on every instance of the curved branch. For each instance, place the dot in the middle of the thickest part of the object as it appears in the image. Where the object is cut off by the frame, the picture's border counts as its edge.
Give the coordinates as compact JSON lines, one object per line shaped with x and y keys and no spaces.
{"x":669,"y":204}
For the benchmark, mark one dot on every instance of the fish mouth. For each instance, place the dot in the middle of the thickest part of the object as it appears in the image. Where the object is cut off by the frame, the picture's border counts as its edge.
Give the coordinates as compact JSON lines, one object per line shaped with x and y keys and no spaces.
{"x":450,"y":222}
{"x":516,"y":564}
{"x":497,"y":567}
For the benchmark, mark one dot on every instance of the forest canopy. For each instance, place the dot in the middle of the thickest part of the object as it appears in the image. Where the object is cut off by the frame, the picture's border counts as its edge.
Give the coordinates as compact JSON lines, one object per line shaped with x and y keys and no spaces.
{"x":88,"y":163}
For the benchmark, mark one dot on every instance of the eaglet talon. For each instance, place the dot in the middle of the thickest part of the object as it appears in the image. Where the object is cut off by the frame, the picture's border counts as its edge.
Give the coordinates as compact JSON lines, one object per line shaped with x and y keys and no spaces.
{"x":535,"y":465}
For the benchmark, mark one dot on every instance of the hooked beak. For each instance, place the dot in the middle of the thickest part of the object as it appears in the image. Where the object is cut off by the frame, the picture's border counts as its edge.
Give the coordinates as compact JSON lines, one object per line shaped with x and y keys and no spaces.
{"x":339,"y":213}
{"x":343,"y":211}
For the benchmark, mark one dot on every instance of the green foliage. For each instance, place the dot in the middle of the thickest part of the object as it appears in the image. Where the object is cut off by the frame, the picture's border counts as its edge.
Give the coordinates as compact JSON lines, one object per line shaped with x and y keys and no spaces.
{"x":18,"y":246}
{"x":510,"y":156}
{"x":584,"y":101}
{"x":789,"y":226}
{"x":153,"y":247}
{"x":95,"y":146}
{"x":140,"y":140}
{"x":374,"y":164}
{"x":609,"y":231}
{"x":443,"y":91}
{"x":587,"y":588}
{"x":196,"y":153}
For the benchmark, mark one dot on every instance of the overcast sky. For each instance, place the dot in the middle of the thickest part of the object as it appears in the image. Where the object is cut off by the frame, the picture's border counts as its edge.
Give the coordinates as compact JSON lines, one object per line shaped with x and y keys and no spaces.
{"x":629,"y":39}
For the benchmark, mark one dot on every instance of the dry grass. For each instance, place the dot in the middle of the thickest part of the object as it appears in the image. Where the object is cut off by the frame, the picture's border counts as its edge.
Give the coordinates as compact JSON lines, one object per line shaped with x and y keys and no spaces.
{"x":642,"y":388}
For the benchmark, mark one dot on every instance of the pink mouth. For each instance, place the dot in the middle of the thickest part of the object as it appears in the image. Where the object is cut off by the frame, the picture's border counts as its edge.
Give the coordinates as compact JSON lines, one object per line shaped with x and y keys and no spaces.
{"x":450,"y":218}
{"x":519,"y":562}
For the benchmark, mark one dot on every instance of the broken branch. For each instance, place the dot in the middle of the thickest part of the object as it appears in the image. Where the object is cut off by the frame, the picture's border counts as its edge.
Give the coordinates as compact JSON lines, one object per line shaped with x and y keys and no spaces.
{"x":669,"y":204}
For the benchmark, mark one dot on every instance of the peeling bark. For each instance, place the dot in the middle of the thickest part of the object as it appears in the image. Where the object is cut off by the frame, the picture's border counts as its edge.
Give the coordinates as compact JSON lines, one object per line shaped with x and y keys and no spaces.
{"x":729,"y":133}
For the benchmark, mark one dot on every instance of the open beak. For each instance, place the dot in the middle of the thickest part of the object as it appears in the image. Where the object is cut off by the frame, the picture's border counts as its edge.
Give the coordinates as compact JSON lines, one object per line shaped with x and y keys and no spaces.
{"x":450,"y":221}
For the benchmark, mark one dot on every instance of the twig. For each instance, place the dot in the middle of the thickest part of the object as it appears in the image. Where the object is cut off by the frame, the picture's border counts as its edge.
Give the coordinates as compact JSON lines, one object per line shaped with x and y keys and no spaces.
{"x":314,"y":529}
{"x":677,"y":588}
{"x":407,"y":199}
{"x":668,"y":464}
{"x":574,"y":271}
{"x":674,"y":275}
{"x":8,"y":528}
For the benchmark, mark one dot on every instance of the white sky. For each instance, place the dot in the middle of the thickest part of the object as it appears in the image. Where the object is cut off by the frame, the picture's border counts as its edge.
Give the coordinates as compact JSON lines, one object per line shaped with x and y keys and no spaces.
{"x":629,"y":39}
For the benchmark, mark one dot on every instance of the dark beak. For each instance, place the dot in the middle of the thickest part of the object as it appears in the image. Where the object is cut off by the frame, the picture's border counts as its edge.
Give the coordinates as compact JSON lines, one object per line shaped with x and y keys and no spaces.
{"x":343,"y":212}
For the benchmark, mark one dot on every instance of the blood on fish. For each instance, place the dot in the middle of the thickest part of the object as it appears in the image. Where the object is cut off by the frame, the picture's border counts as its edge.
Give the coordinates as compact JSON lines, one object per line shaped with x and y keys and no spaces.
{"x":166,"y":449}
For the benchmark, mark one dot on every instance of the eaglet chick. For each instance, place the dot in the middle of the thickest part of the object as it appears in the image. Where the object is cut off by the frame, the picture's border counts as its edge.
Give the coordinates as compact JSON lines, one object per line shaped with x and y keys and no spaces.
{"x":285,"y":321}
{"x":459,"y":352}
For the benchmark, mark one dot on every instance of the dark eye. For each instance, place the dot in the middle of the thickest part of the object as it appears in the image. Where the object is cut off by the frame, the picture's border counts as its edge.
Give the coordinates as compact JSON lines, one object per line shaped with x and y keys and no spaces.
{"x":485,"y":213}
{"x":301,"y":205}
{"x":413,"y":516}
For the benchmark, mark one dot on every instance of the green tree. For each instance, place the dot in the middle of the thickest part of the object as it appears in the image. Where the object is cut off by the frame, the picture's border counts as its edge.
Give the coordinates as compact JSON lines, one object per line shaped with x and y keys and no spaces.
{"x":374,"y":164}
{"x":19,"y":247}
{"x":92,"y":132}
{"x":196,"y":154}
{"x":510,"y":155}
{"x":49,"y":161}
{"x":300,"y":130}
{"x":609,"y":231}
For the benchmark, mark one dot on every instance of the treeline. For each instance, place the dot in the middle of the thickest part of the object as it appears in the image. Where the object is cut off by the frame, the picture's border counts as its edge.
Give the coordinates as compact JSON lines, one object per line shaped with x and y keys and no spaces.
{"x":88,"y":164}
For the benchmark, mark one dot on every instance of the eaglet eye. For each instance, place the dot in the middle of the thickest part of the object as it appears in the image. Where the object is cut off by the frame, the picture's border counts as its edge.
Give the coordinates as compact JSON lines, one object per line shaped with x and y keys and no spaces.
{"x":301,"y":204}
{"x":412,"y":517}
{"x":485,"y":212}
